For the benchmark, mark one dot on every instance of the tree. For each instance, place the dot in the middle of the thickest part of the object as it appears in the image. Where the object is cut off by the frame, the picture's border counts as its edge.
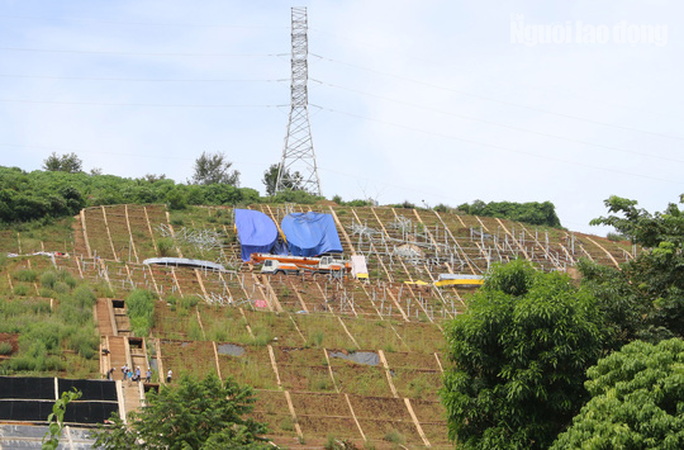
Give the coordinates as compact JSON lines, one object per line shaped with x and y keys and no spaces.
{"x":215,"y":169}
{"x":520,"y":353}
{"x":642,"y":227}
{"x":291,"y":182}
{"x":68,"y":162}
{"x":534,"y":213}
{"x":194,"y":414}
{"x":637,"y":400}
{"x":648,"y":290}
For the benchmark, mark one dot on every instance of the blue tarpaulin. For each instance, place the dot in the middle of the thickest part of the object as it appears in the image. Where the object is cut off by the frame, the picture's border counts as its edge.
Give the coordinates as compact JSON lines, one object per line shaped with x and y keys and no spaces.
{"x":256,"y":231}
{"x":311,"y":234}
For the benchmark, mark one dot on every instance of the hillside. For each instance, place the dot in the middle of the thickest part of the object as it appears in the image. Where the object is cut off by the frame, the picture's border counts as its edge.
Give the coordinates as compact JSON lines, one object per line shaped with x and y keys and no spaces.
{"x":351,"y":359}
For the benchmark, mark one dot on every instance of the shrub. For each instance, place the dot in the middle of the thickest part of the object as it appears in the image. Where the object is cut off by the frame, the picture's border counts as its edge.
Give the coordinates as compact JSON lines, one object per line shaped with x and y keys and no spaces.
{"x":48,"y":279}
{"x":84,"y":342}
{"x":395,"y":437}
{"x":165,"y":246}
{"x":84,"y":296}
{"x":26,"y":275}
{"x":21,"y":289}
{"x":140,"y":310}
{"x":5,"y":348}
{"x":62,"y":288}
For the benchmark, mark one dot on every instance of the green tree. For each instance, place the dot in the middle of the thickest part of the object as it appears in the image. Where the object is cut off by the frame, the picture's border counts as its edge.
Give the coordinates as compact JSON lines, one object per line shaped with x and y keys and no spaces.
{"x":520,"y":353}
{"x":637,"y":400}
{"x":214,"y":168}
{"x":291,"y":182}
{"x":645,"y":298}
{"x":194,"y":414}
{"x":68,"y":162}
{"x":534,"y":213}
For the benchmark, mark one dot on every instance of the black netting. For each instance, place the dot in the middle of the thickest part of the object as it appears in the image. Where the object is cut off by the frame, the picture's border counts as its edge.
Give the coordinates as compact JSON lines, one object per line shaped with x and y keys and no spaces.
{"x":89,"y":412}
{"x":90,"y":389}
{"x":28,"y":388}
{"x":24,"y":410}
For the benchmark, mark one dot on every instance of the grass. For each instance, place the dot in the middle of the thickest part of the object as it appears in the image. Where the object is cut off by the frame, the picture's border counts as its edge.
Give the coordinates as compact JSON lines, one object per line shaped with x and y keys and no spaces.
{"x":5,"y":348}
{"x":395,"y":437}
{"x":51,"y":341}
{"x":26,"y":275}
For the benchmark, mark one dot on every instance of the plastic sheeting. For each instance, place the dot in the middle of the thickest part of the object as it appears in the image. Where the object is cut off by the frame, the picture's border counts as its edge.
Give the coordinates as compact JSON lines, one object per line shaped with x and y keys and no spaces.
{"x":230,"y":349}
{"x":368,"y":358}
{"x":27,"y":388}
{"x":256,"y":231}
{"x":31,"y":399}
{"x":311,"y":234}
{"x":90,"y":389}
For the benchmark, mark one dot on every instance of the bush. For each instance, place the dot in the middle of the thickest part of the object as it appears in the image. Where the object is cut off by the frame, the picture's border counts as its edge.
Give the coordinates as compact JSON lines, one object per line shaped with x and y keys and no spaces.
{"x":84,"y":342}
{"x":26,"y":275}
{"x":395,"y":437}
{"x":48,"y":279}
{"x":140,"y":310}
{"x":165,"y":246}
{"x":21,"y":289}
{"x":84,"y":296}
{"x":5,"y":348}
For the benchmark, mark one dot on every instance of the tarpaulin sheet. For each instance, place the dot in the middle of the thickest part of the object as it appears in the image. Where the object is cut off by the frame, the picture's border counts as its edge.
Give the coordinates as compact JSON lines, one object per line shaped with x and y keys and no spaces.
{"x":27,"y":388}
{"x":311,"y":234}
{"x":368,"y":358}
{"x":90,"y":389}
{"x":256,"y":231}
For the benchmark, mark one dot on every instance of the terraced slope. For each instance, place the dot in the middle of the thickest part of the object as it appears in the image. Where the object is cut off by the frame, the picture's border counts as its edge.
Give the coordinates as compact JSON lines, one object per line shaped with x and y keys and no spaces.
{"x":298,"y":351}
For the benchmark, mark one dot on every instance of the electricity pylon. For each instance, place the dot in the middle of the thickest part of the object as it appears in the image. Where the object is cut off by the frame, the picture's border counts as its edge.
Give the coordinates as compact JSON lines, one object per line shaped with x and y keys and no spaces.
{"x":298,"y":163}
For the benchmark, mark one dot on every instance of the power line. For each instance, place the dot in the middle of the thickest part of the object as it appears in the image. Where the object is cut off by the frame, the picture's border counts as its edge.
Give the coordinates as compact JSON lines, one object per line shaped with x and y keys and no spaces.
{"x":156,"y":80}
{"x":144,"y":24}
{"x":121,"y":53}
{"x":502,"y":102}
{"x":497,"y":147}
{"x":501,"y":125}
{"x":151,"y":105}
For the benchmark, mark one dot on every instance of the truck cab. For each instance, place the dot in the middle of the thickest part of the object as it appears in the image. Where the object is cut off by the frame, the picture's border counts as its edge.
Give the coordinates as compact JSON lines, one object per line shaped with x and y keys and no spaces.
{"x":273,"y":266}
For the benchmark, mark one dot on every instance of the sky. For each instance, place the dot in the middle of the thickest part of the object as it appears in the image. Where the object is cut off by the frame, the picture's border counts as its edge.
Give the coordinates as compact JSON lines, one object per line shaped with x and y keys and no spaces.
{"x":431,"y":102}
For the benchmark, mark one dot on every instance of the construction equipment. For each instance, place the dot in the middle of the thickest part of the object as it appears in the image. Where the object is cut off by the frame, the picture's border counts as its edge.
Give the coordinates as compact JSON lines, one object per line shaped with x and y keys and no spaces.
{"x":287,"y":264}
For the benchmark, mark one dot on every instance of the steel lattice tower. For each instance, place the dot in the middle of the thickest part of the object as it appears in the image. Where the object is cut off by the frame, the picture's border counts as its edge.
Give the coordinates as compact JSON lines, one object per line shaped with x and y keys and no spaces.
{"x":298,"y":151}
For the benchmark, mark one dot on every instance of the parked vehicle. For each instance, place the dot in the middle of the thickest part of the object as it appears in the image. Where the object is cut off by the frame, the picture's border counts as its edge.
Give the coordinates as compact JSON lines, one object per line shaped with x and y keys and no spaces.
{"x":293,"y":265}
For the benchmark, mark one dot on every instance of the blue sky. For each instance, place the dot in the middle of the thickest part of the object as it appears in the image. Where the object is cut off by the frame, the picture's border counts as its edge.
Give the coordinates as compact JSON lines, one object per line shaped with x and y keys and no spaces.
{"x":431,"y":101}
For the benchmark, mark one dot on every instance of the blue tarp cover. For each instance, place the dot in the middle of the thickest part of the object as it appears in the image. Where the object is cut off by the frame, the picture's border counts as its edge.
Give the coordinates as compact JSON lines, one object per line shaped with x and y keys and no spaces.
{"x":256,"y":231}
{"x":311,"y":234}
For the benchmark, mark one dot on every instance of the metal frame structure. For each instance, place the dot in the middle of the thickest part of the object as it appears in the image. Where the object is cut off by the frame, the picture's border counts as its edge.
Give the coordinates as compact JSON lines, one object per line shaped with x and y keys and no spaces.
{"x":298,"y":162}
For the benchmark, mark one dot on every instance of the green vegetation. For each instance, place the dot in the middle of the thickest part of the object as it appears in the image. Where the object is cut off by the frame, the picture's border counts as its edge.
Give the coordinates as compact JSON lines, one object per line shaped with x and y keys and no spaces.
{"x":5,"y":348}
{"x":214,"y":168}
{"x":290,"y":181}
{"x":534,"y":213}
{"x":395,"y":437}
{"x":645,"y":298}
{"x":69,"y":163}
{"x":47,"y":194}
{"x":198,"y":414}
{"x":52,"y":340}
{"x":56,"y":419}
{"x":140,"y":310}
{"x":44,"y":195}
{"x":521,"y":349}
{"x":637,"y":397}
{"x":520,"y":352}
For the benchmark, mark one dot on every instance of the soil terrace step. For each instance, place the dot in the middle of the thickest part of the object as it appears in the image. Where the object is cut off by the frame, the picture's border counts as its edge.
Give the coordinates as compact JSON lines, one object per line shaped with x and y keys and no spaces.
{"x":104,"y":321}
